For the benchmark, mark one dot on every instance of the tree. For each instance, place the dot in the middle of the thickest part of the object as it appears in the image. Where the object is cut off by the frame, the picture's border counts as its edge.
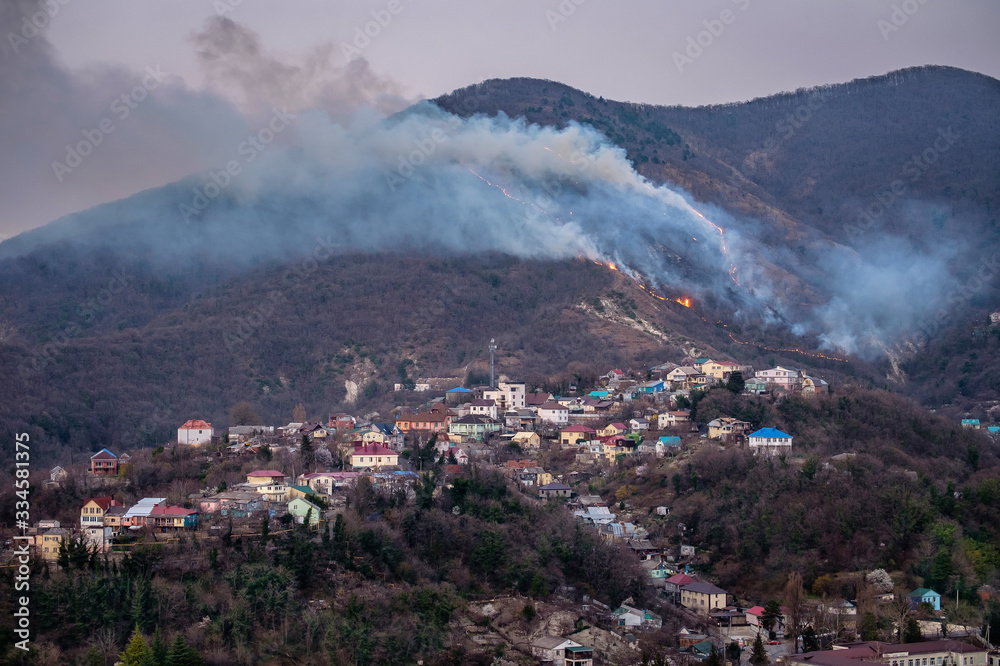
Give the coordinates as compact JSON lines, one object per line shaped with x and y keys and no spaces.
{"x":912,"y":633}
{"x":758,"y":656}
{"x":736,"y":383}
{"x":734,"y":652}
{"x":901,"y":608}
{"x":772,"y":611}
{"x":810,"y":641}
{"x":137,"y":652}
{"x":714,"y":658}
{"x":795,"y":595}
{"x":243,"y":414}
{"x":265,"y":529}
{"x":869,"y":627}
{"x":299,"y":413}
{"x":182,"y":654}
{"x":307,"y":453}
{"x":159,"y":648}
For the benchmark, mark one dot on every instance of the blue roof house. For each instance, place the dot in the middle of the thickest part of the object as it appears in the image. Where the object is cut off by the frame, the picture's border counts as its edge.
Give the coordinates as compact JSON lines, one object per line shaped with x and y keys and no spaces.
{"x":922,"y":595}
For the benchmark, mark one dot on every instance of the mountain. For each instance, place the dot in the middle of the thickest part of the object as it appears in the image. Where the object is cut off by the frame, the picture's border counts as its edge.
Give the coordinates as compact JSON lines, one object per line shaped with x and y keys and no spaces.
{"x":452,"y":223}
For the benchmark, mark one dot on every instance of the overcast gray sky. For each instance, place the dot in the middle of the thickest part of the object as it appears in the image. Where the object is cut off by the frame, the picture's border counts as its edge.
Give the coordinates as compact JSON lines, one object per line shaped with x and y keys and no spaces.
{"x":62,"y":82}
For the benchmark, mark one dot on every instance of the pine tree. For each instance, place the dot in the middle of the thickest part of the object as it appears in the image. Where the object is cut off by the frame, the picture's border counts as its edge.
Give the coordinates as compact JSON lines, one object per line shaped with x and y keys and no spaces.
{"x":159,"y":648}
{"x":758,"y":657}
{"x":137,"y":652}
{"x":265,"y":529}
{"x":714,"y":658}
{"x":307,"y":453}
{"x":182,"y":654}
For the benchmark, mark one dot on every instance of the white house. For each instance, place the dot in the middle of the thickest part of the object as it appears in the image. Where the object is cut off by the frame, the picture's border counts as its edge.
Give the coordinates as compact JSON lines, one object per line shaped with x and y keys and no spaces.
{"x":781,"y":376}
{"x":559,"y":651}
{"x":672,"y":419}
{"x":553,"y":412}
{"x":770,"y":441}
{"x":507,"y":395}
{"x":484,"y":407}
{"x":195,"y":432}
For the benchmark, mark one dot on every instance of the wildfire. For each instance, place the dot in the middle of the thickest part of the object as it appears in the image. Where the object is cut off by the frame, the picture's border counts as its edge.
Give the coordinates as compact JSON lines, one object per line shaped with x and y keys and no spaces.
{"x":789,"y":349}
{"x":612,"y":266}
{"x":686,"y":302}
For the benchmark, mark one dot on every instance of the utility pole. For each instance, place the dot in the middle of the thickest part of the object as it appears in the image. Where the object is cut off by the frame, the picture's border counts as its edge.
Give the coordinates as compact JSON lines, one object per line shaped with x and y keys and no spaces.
{"x":493,"y":348}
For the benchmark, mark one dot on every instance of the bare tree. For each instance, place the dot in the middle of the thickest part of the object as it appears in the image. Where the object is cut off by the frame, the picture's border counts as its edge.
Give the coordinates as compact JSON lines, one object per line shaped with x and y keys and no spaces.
{"x":795,"y":596}
{"x":900,"y":609}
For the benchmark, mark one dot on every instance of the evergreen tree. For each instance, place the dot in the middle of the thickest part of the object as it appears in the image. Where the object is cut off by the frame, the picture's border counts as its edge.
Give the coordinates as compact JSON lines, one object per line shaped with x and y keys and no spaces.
{"x":159,"y":648}
{"x":758,"y":657}
{"x":265,"y":529}
{"x":307,"y":453}
{"x":912,"y":633}
{"x":137,"y":652}
{"x":734,"y":652}
{"x":63,"y":558}
{"x":736,"y":383}
{"x":714,"y":658}
{"x":182,"y":654}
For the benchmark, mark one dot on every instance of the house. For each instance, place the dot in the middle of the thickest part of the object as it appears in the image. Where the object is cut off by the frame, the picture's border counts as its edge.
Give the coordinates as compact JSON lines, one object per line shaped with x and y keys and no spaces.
{"x":971,"y":423}
{"x":534,"y":477}
{"x":471,"y":427}
{"x":671,"y":443}
{"x":97,"y":538}
{"x":507,"y":395}
{"x":727,"y":428}
{"x":658,"y":571}
{"x":553,"y":413}
{"x":537,"y":399}
{"x":50,"y":541}
{"x":92,"y":513}
{"x":113,"y":519}
{"x":673,"y":419}
{"x":786,"y":377}
{"x":246,"y":432}
{"x":686,"y":377}
{"x":638,"y":424}
{"x":770,"y":441}
{"x":649,"y":388}
{"x":526,"y":440}
{"x":674,"y":584}
{"x":643,"y":549}
{"x":299,"y":491}
{"x":755,"y":616}
{"x":649,"y":447}
{"x":575,"y":433}
{"x":57,"y":475}
{"x":423,"y":422}
{"x":922,"y":595}
{"x":300,"y":507}
{"x":702,"y":597}
{"x":554,"y":490}
{"x":233,"y":503}
{"x":195,"y":432}
{"x":595,"y":515}
{"x":612,"y":429}
{"x":814,"y":386}
{"x":104,"y":463}
{"x":136,"y":515}
{"x":755,"y":386}
{"x":946,"y":651}
{"x":373,"y":456}
{"x":483,"y":407}
{"x":558,"y":651}
{"x":268,"y":482}
{"x":165,"y":517}
{"x":630,"y":616}
{"x":325,"y":483}
{"x":386,"y":434}
{"x":341,"y":422}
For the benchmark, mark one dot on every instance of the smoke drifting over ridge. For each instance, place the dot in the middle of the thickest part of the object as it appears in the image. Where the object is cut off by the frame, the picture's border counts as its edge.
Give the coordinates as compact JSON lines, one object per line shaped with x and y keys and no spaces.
{"x":342,"y":172}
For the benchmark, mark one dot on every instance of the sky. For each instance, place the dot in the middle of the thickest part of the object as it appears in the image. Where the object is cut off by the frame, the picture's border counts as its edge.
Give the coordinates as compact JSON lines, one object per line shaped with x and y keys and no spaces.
{"x":176,"y":89}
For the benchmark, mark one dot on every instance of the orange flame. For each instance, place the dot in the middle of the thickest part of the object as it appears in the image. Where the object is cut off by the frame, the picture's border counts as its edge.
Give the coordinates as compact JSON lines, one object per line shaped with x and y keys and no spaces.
{"x":686,"y":302}
{"x":612,"y":266}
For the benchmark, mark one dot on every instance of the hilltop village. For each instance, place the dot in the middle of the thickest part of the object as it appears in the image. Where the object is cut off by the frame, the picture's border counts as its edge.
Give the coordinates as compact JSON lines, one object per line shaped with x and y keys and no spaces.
{"x":587,"y":454}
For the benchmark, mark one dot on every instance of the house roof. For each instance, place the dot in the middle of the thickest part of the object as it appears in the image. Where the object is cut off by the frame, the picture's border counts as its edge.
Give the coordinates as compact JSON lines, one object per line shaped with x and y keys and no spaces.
{"x":458,"y":389}
{"x":680,"y":579}
{"x":374,"y":450}
{"x":554,"y":406}
{"x":553,"y":642}
{"x":103,"y":502}
{"x":196,"y":424}
{"x":923,"y":592}
{"x":265,"y":472}
{"x":104,"y":454}
{"x":578,"y":428}
{"x":163,"y":510}
{"x":473,"y":419}
{"x":756,"y":610}
{"x":703,"y":588}
{"x":523,"y":435}
{"x":617,"y":424}
{"x":770,"y":433}
{"x":554,"y":486}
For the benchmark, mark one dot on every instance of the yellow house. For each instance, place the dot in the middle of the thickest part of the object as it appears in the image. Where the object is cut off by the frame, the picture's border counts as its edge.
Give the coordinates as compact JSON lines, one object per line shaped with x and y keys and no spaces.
{"x":47,"y":544}
{"x":613,"y":429}
{"x":270,"y":483}
{"x":374,"y":456}
{"x":373,"y":437}
{"x":702,"y":597}
{"x":94,"y":509}
{"x":724,"y":426}
{"x":527,"y":440}
{"x":575,"y":433}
